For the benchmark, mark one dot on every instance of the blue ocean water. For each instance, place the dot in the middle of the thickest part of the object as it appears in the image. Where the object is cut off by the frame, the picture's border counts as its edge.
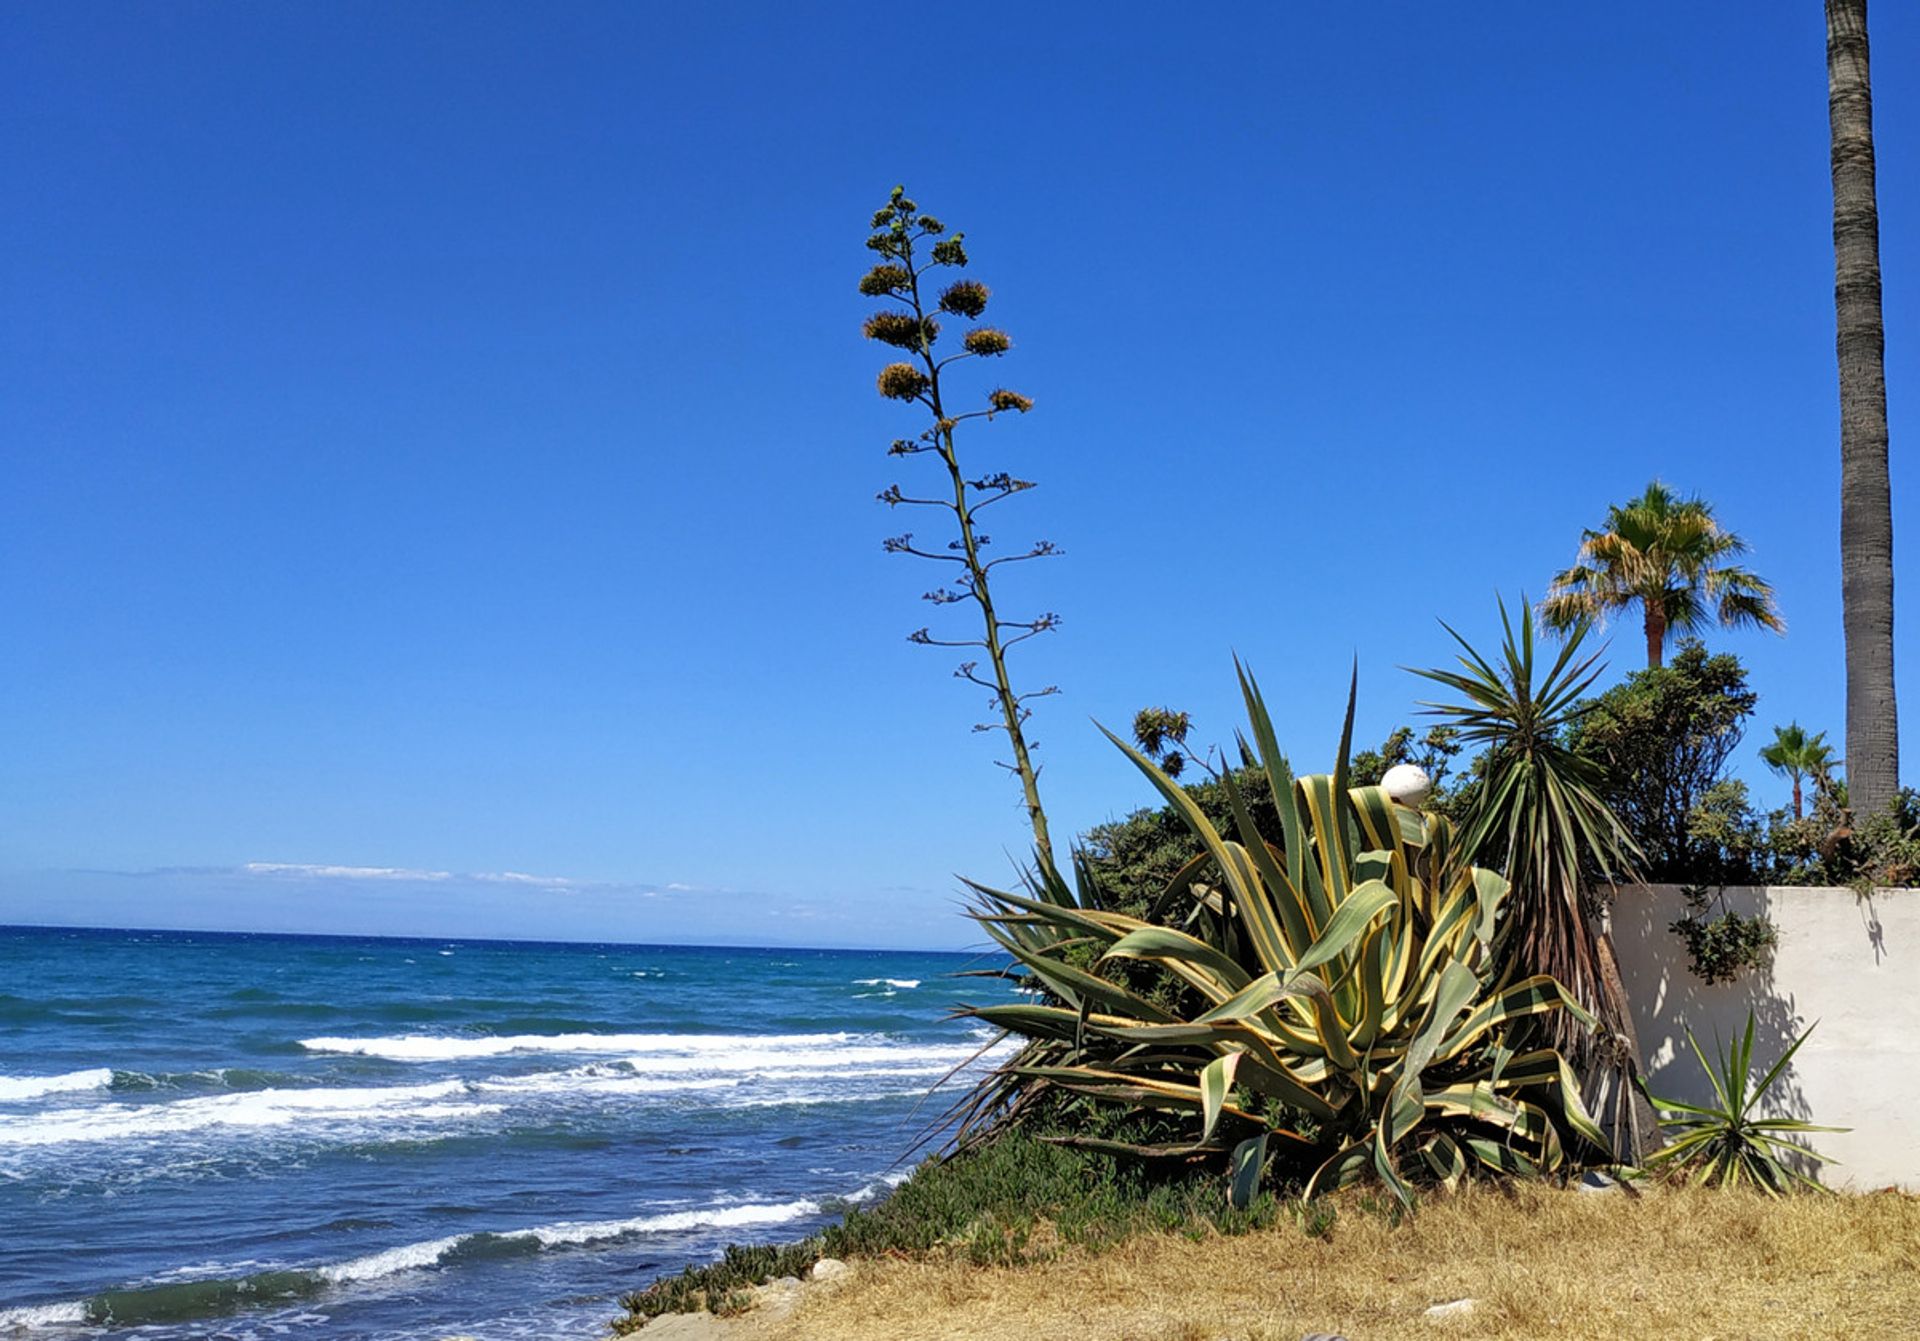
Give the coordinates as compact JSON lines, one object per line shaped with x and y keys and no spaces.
{"x":247,"y":1136}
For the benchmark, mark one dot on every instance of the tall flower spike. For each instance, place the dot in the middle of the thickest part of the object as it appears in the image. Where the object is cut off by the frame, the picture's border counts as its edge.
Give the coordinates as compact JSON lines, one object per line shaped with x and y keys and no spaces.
{"x":908,"y":243}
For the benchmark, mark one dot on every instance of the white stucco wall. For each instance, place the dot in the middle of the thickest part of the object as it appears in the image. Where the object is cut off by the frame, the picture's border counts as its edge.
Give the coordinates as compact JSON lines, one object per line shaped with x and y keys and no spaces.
{"x":1848,"y":962}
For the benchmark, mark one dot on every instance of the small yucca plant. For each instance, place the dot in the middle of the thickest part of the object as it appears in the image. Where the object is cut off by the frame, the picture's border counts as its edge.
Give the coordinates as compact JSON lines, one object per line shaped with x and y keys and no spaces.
{"x":1726,"y":1145}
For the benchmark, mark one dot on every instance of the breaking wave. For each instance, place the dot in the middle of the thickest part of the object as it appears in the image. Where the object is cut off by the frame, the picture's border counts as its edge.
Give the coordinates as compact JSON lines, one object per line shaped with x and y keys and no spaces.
{"x":15,"y":1088}
{"x":181,"y":1301}
{"x":440,"y":1102}
{"x":443,"y":1048}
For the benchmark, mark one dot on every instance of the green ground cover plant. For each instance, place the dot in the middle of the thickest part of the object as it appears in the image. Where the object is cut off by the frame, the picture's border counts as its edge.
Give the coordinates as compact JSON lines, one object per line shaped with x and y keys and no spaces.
{"x":1019,"y":1199}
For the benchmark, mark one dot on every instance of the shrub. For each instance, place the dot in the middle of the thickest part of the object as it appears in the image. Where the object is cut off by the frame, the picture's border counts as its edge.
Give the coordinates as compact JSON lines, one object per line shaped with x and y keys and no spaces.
{"x":1011,"y":1200}
{"x":1662,"y":739}
{"x":1134,"y":860}
{"x":1879,"y":852}
{"x":1720,"y":949}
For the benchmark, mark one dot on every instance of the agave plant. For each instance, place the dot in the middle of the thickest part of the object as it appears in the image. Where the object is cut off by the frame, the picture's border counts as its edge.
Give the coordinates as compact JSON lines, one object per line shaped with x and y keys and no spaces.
{"x":1726,"y":1145}
{"x":1340,"y":1006}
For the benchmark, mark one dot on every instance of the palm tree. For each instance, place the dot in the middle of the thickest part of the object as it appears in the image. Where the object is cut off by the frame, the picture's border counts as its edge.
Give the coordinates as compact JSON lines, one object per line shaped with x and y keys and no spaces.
{"x":1866,"y":500}
{"x":1794,"y":754}
{"x":1669,"y":554}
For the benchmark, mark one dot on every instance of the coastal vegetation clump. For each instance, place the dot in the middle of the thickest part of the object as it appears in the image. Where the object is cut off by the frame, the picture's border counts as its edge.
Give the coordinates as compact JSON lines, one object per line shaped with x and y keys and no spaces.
{"x":1723,"y":944}
{"x":1343,"y":1011}
{"x":1020,"y":1199}
{"x":1330,"y":1000}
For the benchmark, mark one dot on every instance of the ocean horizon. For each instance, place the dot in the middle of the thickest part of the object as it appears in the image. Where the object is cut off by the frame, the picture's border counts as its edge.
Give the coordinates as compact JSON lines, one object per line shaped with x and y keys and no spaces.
{"x":249,"y":1134}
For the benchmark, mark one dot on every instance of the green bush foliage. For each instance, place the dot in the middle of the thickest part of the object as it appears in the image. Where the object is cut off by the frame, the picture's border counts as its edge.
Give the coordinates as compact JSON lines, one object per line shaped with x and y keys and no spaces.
{"x":989,"y":1204}
{"x":1133,"y":860}
{"x":1829,"y":848}
{"x":1662,"y":739}
{"x":1721,"y":947}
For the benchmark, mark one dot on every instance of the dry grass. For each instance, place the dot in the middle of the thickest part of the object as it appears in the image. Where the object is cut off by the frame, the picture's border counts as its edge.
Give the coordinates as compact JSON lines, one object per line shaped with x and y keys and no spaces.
{"x":1541,"y":1263}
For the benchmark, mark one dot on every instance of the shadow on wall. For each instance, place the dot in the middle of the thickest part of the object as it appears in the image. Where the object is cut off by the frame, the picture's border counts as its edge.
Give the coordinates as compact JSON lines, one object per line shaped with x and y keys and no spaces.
{"x":1843,"y":962}
{"x":1668,"y":998}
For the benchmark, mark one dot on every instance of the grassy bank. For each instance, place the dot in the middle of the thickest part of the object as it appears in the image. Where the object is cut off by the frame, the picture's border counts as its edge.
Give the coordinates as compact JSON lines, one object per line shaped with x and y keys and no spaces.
{"x":1538,"y":1261}
{"x":1027,"y":1239}
{"x":1016,"y":1201}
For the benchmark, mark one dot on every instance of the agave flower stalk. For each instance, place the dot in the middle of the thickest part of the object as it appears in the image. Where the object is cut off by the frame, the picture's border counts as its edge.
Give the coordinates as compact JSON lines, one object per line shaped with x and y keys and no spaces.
{"x":900,"y":231}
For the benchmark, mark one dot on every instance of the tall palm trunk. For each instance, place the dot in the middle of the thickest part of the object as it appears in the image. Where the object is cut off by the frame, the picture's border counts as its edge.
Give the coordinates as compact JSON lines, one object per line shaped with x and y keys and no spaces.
{"x":1656,"y":626}
{"x":1866,"y":502}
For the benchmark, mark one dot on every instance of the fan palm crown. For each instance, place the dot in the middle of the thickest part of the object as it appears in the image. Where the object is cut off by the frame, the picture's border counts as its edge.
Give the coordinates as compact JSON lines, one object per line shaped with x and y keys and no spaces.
{"x":1673,"y":557}
{"x":1795,"y":754}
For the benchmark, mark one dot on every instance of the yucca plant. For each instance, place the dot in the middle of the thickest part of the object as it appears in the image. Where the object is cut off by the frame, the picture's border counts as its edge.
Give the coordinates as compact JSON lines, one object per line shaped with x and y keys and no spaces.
{"x":1726,"y":1145}
{"x":1343,"y":1011}
{"x":1537,"y":816}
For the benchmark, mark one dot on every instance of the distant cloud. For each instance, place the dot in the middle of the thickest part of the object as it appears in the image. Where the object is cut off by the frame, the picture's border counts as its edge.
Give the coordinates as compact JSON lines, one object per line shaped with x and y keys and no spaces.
{"x":339,"y":898}
{"x":522,"y":878}
{"x":342,"y":872}
{"x":317,"y":870}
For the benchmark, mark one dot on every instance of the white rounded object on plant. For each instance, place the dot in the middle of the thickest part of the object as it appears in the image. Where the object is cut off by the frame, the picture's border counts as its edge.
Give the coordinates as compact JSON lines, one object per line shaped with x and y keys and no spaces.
{"x":1408,"y":784}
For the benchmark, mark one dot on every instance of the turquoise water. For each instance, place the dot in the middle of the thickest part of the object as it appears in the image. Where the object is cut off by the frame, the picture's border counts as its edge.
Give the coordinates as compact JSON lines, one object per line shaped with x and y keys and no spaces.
{"x":250,"y":1136}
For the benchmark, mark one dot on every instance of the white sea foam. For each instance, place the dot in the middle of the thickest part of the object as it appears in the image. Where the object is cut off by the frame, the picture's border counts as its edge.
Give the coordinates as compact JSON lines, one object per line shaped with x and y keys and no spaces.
{"x":898,"y":984}
{"x":14,"y":1088}
{"x":601,"y":1080}
{"x":442,"y":1048}
{"x":569,"y":1233}
{"x":251,"y":1109}
{"x":724,"y":1217}
{"x":879,"y":1187}
{"x":767,"y":1056}
{"x":409,"y":1257}
{"x":898,"y":1057}
{"x":749,"y":1070}
{"x":43,"y":1315}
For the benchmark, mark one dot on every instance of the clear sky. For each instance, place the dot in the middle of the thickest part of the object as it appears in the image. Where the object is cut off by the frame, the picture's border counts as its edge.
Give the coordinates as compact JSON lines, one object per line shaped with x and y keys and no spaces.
{"x":438,"y":444}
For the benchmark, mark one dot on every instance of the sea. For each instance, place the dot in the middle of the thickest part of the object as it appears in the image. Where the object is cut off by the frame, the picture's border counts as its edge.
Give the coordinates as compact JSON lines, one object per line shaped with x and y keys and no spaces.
{"x":250,"y":1136}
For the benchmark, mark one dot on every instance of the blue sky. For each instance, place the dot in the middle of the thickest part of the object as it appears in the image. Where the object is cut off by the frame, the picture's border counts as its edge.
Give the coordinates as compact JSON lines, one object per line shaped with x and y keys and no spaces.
{"x":439,"y":445}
